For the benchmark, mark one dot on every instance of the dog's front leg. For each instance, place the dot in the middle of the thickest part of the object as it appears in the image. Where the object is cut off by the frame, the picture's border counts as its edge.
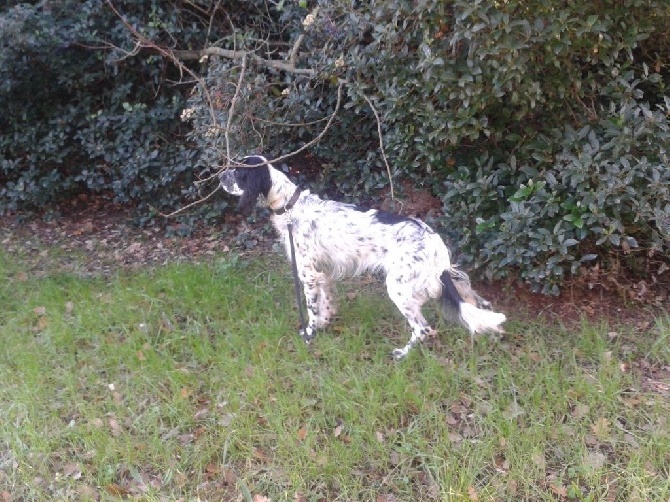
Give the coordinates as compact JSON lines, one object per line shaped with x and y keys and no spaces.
{"x":311,"y":289}
{"x":312,"y":281}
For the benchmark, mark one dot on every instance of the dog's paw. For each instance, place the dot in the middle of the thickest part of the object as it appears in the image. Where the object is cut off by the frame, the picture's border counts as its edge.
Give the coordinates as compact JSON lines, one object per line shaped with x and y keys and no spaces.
{"x":307,"y":334}
{"x":399,"y":354}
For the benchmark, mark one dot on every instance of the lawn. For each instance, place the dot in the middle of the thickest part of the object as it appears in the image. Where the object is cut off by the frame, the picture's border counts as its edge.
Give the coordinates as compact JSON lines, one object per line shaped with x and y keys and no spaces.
{"x":189,"y":382}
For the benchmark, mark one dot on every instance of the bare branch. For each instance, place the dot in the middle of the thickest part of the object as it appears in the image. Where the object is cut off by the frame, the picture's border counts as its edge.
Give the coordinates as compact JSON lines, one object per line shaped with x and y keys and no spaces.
{"x":381,"y":143}
{"x":144,"y":42}
{"x":289,"y":67}
{"x":233,"y":103}
{"x":296,"y":47}
{"x":323,"y":132}
{"x":211,"y":19}
{"x":188,"y":206}
{"x":293,"y":55}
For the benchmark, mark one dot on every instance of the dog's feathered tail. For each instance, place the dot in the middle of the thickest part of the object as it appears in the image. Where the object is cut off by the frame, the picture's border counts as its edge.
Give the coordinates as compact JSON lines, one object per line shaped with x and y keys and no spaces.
{"x":476,"y":320}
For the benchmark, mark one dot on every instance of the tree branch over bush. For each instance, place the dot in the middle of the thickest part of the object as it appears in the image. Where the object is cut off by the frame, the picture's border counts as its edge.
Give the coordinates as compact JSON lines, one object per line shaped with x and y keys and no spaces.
{"x":197,"y":55}
{"x":177,"y":57}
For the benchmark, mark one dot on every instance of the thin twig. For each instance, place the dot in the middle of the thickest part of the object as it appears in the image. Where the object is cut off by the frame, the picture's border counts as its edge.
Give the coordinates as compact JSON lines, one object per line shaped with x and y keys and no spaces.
{"x":211,"y":19}
{"x":188,"y":206}
{"x":233,"y":102}
{"x":293,"y":55}
{"x":289,"y":124}
{"x":381,"y":143}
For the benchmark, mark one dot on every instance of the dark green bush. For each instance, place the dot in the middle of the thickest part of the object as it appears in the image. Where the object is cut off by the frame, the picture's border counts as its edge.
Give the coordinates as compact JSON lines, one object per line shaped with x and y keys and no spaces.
{"x":77,"y":118}
{"x":607,"y":188}
{"x":542,"y":125}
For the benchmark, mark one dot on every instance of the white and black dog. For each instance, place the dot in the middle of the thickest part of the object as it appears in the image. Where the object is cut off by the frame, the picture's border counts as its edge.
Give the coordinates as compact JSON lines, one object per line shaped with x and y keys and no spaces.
{"x":333,"y":239}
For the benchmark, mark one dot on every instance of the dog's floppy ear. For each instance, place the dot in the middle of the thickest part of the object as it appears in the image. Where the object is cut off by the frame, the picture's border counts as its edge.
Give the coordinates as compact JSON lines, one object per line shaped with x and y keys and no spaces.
{"x":253,"y":180}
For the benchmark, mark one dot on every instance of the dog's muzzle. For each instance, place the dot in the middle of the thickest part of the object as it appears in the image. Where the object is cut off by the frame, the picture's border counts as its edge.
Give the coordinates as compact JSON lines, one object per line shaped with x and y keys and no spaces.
{"x":228,"y":183}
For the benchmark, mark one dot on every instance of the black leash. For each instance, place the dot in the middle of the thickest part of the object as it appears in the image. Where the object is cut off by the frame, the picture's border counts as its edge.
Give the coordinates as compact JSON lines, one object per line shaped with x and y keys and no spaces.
{"x":296,"y":279}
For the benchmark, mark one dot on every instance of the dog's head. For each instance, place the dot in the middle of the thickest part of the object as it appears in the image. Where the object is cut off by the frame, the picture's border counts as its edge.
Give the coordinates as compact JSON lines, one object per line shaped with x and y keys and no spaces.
{"x":249,"y":183}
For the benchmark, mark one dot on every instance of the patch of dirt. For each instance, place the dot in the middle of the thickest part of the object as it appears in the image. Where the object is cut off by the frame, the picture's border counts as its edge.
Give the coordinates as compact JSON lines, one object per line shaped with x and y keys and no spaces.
{"x":577,"y":301}
{"x":95,"y":237}
{"x":411,"y":201}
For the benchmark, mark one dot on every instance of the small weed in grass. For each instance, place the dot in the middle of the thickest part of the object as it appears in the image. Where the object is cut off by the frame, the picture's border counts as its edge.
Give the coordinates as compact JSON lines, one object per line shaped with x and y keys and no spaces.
{"x":190,"y":382}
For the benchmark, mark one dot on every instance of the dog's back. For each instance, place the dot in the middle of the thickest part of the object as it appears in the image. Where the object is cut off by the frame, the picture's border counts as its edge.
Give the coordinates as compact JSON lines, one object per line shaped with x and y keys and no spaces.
{"x":344,"y":239}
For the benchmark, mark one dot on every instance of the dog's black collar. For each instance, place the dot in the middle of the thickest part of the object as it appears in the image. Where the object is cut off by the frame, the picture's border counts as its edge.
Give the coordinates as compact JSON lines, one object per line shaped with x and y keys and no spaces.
{"x":289,"y":205}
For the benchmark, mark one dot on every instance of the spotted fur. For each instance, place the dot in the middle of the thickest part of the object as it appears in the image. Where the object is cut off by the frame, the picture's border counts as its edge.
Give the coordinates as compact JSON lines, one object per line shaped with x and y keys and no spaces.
{"x":333,"y":240}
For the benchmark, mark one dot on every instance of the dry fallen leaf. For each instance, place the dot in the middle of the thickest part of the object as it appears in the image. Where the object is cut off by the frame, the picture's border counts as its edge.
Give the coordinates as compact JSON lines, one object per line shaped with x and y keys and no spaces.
{"x":71,"y":470}
{"x":302,"y":433}
{"x":115,"y":427}
{"x":455,"y":437}
{"x":580,"y":411}
{"x":260,"y":455}
{"x":450,"y":419}
{"x":201,"y":413}
{"x":559,"y":490}
{"x":116,"y":490}
{"x":594,"y":460}
{"x":229,"y":476}
{"x":501,"y":463}
{"x":185,"y":439}
{"x":601,"y":428}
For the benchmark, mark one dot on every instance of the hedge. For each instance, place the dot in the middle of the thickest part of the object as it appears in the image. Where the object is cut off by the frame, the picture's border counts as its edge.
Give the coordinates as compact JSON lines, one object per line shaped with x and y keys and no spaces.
{"x":543,"y":126}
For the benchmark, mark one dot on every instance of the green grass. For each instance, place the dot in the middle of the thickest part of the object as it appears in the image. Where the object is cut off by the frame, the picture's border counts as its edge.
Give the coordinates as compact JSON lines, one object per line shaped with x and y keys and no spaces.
{"x":189,"y":382}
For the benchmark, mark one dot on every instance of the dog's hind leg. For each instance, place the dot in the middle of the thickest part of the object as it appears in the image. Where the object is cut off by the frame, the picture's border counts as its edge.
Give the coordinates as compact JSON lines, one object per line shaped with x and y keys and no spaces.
{"x":327,"y":306}
{"x":410,"y":307}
